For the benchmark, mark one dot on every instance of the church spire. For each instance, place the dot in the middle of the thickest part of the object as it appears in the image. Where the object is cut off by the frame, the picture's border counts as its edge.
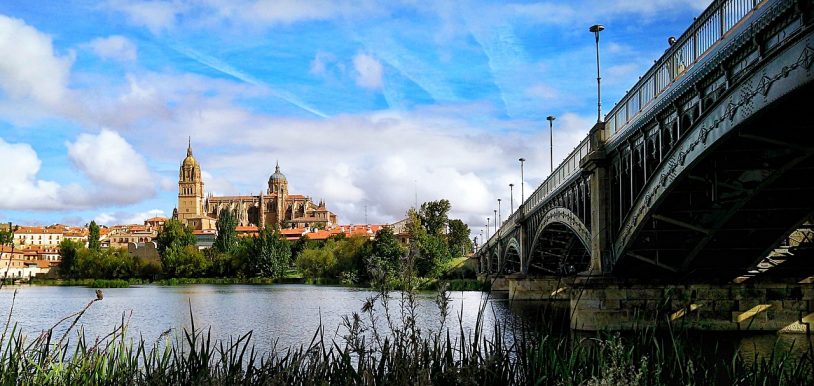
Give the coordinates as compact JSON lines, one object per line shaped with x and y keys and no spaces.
{"x":189,"y":147}
{"x":277,"y":166}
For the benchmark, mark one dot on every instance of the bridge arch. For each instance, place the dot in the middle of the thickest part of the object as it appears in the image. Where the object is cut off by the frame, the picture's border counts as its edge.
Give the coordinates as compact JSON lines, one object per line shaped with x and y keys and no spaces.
{"x":733,"y":184}
{"x":512,"y":259}
{"x":561,"y":245}
{"x":494,"y":260}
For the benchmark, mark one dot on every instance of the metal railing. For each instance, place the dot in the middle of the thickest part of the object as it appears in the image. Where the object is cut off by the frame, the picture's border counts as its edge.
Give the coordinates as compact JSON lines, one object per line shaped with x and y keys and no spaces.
{"x":562,"y":173}
{"x":707,"y":30}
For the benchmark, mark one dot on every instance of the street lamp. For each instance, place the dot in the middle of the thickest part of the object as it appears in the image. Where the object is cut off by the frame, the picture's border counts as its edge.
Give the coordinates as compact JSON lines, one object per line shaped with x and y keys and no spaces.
{"x":596,"y":29}
{"x":551,"y":119}
{"x":499,"y":213}
{"x":495,"y":218}
{"x":511,"y":198}
{"x":522,"y":182}
{"x":488,"y":224}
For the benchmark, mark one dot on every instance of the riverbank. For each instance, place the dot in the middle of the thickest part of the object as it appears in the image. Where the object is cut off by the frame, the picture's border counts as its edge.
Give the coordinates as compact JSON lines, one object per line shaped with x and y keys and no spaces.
{"x":424,"y":284}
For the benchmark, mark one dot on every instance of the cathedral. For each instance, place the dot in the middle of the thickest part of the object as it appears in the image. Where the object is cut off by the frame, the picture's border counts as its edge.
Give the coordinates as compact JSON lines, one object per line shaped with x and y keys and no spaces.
{"x":274,"y":208}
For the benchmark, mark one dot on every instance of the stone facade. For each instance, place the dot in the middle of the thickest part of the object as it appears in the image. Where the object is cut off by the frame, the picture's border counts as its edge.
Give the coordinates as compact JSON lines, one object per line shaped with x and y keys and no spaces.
{"x":274,"y":208}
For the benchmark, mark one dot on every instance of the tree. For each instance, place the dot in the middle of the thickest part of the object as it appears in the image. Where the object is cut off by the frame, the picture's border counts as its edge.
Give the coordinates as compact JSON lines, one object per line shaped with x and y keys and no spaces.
{"x":226,"y":241}
{"x":7,"y":236}
{"x":69,"y":253}
{"x":271,"y":253}
{"x":433,"y":216}
{"x":458,"y":238}
{"x":388,"y":248}
{"x":93,"y":236}
{"x":317,"y":262}
{"x":171,"y":242}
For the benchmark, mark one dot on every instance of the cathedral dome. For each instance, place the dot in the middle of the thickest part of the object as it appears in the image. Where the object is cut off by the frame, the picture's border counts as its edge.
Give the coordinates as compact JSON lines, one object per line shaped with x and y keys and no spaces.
{"x":189,"y":160}
{"x":277,"y":176}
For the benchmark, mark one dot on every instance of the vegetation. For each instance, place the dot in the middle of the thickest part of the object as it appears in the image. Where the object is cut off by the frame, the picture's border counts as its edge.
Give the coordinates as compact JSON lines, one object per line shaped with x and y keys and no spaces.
{"x":79,"y":262}
{"x":93,"y":236}
{"x":435,"y":242}
{"x":382,"y":345}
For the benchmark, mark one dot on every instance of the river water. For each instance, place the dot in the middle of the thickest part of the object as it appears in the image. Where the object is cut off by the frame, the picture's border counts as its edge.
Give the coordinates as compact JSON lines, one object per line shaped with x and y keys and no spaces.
{"x":288,"y":315}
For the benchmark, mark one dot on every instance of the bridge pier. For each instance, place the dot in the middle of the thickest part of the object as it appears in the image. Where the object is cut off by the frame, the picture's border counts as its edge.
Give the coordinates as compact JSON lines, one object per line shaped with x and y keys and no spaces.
{"x":604,"y":303}
{"x":539,"y":288}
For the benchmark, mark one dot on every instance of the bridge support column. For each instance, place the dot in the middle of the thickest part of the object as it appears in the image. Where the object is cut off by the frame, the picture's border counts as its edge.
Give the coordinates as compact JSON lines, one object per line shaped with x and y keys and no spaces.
{"x":596,"y":165}
{"x":605,"y":303}
{"x":540,"y":288}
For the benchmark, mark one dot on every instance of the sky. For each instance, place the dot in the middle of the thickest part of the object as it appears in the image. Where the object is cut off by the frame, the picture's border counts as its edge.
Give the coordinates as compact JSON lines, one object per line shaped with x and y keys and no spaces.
{"x":365,"y":104}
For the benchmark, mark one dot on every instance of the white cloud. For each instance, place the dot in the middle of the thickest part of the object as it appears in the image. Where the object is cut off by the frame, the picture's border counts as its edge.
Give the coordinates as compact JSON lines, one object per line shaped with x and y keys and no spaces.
{"x":19,"y":186}
{"x":156,"y":16}
{"x":30,"y":68}
{"x":118,"y":173}
{"x":368,"y":71}
{"x":109,"y":160}
{"x":122,"y":217}
{"x":115,"y":47}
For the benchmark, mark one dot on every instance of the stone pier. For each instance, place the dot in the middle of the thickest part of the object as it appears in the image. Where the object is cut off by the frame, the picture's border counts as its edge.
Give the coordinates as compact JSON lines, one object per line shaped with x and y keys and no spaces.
{"x":600,"y":303}
{"x":540,"y":288}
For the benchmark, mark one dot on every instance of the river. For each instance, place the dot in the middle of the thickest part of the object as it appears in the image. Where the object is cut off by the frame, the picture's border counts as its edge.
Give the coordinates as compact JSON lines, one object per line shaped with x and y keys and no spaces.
{"x":289,"y":314}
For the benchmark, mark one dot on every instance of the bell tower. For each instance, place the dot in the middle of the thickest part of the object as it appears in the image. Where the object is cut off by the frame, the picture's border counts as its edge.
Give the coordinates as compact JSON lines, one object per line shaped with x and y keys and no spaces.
{"x":190,"y":188}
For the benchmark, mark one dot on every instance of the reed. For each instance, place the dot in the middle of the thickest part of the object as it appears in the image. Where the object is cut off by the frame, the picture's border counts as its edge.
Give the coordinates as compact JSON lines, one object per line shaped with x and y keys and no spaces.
{"x":382,"y":345}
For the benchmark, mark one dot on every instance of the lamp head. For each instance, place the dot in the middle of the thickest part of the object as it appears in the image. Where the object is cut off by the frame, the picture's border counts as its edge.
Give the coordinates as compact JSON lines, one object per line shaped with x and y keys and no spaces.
{"x":551,"y":117}
{"x":522,"y":160}
{"x":596,"y":28}
{"x":511,"y":185}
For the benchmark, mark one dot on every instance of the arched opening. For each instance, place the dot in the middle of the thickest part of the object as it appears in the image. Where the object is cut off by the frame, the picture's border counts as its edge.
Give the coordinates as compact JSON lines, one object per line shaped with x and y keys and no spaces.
{"x":494,"y":263}
{"x":512,"y":260}
{"x":558,"y":250}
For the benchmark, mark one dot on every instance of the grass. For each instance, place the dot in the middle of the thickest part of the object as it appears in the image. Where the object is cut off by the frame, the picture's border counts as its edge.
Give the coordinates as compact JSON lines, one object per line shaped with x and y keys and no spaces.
{"x":382,"y":346}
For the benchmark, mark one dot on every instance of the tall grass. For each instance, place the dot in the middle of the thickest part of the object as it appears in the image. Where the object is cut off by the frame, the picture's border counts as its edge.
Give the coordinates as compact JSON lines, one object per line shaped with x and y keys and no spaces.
{"x":381,"y":344}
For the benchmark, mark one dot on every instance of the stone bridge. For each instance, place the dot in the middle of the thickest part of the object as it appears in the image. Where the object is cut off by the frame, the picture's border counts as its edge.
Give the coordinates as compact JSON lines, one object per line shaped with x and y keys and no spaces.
{"x":697,"y":174}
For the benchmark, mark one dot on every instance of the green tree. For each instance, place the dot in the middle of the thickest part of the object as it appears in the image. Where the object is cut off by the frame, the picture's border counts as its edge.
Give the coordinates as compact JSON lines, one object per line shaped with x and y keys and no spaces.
{"x":271,"y":254}
{"x":171,"y":242}
{"x":93,"y":236}
{"x":69,"y":253}
{"x":226,"y":241}
{"x":458,"y":238}
{"x":351,"y":254}
{"x":7,"y":235}
{"x":388,"y":248}
{"x":317,"y":262}
{"x":434,"y":216}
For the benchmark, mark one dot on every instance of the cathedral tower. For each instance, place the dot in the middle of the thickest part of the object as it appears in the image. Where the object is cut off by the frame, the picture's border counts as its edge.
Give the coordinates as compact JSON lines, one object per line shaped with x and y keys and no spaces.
{"x":190,"y":188}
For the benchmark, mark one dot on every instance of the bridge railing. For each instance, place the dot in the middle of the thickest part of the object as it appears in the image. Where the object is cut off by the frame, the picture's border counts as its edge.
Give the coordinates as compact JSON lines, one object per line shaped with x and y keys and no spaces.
{"x":708,"y":29}
{"x":565,"y":170}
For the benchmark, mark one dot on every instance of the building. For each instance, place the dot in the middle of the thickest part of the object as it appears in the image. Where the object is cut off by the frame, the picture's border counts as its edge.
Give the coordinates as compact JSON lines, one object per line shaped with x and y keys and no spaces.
{"x":122,"y":236}
{"x":20,"y":264}
{"x":274,"y":208}
{"x":38,"y":236}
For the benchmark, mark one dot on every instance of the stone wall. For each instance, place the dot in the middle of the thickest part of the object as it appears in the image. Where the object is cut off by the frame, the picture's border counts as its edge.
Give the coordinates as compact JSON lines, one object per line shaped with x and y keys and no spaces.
{"x":602,"y":304}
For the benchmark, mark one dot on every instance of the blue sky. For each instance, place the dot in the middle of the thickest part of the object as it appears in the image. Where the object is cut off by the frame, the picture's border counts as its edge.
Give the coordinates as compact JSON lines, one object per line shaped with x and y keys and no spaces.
{"x":363,"y":103}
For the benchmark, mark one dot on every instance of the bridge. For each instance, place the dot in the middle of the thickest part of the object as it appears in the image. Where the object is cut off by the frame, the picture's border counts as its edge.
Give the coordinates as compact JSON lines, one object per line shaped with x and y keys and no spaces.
{"x":701,"y":173}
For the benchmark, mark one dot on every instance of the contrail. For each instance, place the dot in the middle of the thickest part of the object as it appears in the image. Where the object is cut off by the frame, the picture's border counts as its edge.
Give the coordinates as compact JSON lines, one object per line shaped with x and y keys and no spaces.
{"x":225,"y":68}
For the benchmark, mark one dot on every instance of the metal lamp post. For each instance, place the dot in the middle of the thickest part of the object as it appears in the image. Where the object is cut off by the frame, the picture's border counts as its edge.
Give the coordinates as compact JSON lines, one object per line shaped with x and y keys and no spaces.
{"x":511,"y":199}
{"x":522,"y":182}
{"x":495,"y":218}
{"x":551,"y":119}
{"x":488,"y":224}
{"x":596,"y":29}
{"x":499,"y":213}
